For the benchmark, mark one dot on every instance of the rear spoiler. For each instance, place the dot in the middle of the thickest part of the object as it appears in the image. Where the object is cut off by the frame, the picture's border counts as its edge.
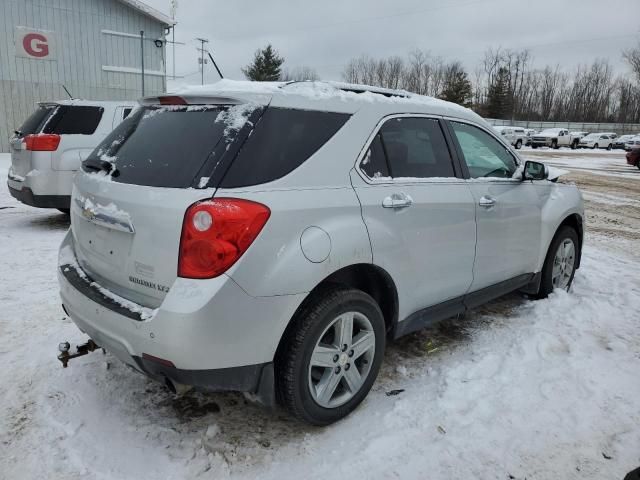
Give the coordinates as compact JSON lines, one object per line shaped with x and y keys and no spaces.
{"x":223,"y":99}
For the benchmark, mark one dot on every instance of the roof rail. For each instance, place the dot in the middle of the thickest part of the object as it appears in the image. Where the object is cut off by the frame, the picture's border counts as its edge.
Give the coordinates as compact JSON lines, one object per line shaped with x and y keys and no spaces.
{"x":355,"y":88}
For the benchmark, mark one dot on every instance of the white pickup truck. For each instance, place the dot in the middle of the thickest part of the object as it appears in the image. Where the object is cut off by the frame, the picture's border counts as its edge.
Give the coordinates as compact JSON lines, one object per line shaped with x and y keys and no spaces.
{"x":555,"y":138}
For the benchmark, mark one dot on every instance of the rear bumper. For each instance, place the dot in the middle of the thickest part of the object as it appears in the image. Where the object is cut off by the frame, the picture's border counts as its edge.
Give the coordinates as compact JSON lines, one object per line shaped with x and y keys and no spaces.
{"x":42,"y":188}
{"x":209,"y":334}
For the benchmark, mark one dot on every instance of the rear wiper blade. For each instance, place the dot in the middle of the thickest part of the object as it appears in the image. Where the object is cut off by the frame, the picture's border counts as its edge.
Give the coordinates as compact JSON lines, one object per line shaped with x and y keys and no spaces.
{"x":98,"y":165}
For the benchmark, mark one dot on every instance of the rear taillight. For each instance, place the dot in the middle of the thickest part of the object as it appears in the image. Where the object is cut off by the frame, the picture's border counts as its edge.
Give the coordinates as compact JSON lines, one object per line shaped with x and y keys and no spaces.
{"x":215,"y":234}
{"x":42,"y":142}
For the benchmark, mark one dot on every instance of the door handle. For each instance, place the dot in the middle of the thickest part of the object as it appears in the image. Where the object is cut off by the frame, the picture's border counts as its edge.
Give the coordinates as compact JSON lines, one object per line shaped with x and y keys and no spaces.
{"x":397,"y":200}
{"x":487,"y":202}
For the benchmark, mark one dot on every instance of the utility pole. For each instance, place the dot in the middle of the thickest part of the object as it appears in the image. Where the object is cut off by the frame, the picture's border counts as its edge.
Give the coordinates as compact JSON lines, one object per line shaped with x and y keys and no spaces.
{"x":142,"y":58}
{"x":202,"y":42}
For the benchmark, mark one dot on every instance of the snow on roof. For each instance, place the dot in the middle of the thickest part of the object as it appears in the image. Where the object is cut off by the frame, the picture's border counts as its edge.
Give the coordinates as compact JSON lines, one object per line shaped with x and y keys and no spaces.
{"x":149,"y":11}
{"x":91,"y":103}
{"x":334,"y":92}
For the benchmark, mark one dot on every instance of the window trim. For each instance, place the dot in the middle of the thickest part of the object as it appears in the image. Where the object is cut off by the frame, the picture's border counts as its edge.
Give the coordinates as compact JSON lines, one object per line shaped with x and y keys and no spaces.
{"x":463,"y":163}
{"x":455,"y":160}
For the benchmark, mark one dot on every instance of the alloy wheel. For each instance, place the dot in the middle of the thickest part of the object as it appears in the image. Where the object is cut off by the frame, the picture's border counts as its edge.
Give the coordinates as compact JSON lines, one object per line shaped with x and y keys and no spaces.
{"x":341,"y":360}
{"x":563,"y":264}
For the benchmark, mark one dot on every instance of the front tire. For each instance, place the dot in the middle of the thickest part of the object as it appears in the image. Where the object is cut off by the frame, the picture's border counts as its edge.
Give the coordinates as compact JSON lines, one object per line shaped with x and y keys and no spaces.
{"x":595,"y":145}
{"x":609,"y":147}
{"x":331,"y":355}
{"x":518,"y":144}
{"x":554,"y":144}
{"x":560,"y":263}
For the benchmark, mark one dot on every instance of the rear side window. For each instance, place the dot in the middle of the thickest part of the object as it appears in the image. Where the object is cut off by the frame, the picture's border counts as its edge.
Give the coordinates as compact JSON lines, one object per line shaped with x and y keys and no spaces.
{"x":282,"y":140}
{"x":73,"y":120}
{"x":416,"y":148}
{"x":34,"y":123}
{"x":374,"y":163}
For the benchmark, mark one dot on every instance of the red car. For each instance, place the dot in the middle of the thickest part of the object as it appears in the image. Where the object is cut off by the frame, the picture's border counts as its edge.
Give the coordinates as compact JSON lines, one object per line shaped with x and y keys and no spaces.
{"x":633,"y":157}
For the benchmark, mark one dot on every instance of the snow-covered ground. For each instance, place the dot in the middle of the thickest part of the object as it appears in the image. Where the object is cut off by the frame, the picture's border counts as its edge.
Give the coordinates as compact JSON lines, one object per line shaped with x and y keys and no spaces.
{"x":517,"y":389}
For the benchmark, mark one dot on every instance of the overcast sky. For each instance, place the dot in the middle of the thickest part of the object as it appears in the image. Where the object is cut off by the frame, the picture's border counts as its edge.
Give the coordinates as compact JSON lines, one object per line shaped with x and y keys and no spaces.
{"x":325,"y":34}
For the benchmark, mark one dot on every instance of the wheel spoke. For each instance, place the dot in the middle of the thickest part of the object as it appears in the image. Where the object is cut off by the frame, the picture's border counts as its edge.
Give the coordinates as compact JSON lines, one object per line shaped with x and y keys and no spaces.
{"x":363,"y":342}
{"x":323,"y":356}
{"x":353,"y":379}
{"x":327,"y":386}
{"x":345,"y":330}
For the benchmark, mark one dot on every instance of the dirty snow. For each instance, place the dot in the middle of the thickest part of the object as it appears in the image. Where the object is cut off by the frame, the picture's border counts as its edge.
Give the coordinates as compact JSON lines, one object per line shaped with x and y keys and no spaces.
{"x":517,"y":389}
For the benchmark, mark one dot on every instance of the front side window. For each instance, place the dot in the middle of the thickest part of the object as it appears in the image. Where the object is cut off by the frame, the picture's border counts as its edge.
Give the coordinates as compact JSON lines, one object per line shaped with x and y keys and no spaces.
{"x":413,"y":148}
{"x":483,"y":154}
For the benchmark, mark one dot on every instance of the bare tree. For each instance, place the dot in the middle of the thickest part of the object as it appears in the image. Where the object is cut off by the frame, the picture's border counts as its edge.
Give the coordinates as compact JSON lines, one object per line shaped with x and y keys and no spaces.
{"x":632,"y":56}
{"x":299,"y":74}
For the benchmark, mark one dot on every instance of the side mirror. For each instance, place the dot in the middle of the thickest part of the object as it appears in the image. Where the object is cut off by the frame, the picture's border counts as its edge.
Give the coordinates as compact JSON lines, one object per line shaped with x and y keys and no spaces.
{"x":535,"y":171}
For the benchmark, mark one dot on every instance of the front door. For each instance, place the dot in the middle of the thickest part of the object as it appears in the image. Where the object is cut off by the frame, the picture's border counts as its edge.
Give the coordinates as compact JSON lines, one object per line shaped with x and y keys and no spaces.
{"x":420,"y":217}
{"x":508,"y":210}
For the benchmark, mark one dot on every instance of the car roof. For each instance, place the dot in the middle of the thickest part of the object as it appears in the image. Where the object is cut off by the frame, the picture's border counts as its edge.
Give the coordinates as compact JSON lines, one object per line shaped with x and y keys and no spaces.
{"x":92,"y":103}
{"x":322,"y":96}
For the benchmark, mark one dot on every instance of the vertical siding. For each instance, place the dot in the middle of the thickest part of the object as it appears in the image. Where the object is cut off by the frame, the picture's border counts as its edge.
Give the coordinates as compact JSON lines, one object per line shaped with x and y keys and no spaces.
{"x":82,"y":50}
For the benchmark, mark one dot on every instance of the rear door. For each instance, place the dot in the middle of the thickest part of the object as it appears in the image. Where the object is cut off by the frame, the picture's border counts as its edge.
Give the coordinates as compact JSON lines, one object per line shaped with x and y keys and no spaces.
{"x":126,"y":226}
{"x":508,"y":210}
{"x":420,"y":216}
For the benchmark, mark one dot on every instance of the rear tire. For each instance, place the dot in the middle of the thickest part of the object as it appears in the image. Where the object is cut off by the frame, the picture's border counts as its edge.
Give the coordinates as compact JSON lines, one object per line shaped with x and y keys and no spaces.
{"x":609,"y":147}
{"x":518,"y":144}
{"x":564,"y":238}
{"x":534,"y":146}
{"x":312,"y":381}
{"x":574,"y":144}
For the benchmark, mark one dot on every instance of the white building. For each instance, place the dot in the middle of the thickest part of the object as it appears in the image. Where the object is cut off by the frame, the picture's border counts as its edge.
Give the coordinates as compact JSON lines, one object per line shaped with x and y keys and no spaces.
{"x":91,"y":47}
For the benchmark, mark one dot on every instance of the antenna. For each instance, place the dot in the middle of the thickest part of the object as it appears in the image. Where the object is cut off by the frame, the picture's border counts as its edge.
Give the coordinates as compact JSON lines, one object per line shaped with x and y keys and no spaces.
{"x":65,"y":89}
{"x":214,"y":63}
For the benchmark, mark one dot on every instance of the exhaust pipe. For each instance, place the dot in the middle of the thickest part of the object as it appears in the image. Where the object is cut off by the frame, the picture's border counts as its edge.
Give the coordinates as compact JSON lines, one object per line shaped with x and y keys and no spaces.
{"x":176,"y":388}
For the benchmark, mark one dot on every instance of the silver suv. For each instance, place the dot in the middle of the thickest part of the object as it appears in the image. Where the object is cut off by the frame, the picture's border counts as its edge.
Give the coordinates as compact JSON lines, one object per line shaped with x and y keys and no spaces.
{"x":46,"y":151}
{"x":271,"y":238}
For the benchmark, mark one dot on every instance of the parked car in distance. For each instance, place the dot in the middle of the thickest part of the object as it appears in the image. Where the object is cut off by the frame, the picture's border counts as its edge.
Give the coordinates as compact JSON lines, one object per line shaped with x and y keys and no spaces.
{"x":554,"y":138}
{"x":47,"y":150}
{"x":516,"y":136}
{"x":620,"y":141}
{"x":596,"y":140}
{"x":632,"y":143}
{"x":272,"y":238}
{"x":633,"y":157}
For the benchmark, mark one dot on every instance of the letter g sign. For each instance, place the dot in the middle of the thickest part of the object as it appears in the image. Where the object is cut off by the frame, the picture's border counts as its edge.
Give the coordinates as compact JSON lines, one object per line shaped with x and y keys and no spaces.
{"x":35,"y":44}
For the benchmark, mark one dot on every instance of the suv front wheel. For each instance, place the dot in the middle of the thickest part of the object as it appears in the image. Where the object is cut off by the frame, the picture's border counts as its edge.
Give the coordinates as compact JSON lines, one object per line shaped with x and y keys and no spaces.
{"x":331,"y":355}
{"x":560,"y":263}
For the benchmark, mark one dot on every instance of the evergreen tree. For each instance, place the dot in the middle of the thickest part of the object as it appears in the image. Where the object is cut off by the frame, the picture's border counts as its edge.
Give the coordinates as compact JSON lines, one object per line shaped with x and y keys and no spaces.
{"x":456,"y":86}
{"x":265,"y":67}
{"x":499,"y":96}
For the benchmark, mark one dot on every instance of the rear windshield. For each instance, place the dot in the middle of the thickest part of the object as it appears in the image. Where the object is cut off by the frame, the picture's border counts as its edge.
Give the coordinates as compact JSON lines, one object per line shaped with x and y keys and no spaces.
{"x":207,"y":146}
{"x":164,"y":146}
{"x":63,"y":120}
{"x":34,"y":123}
{"x":73,"y":120}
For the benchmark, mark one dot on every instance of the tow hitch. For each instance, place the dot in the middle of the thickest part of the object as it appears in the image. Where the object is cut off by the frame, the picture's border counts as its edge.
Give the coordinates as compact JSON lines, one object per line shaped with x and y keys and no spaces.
{"x":81,"y":350}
